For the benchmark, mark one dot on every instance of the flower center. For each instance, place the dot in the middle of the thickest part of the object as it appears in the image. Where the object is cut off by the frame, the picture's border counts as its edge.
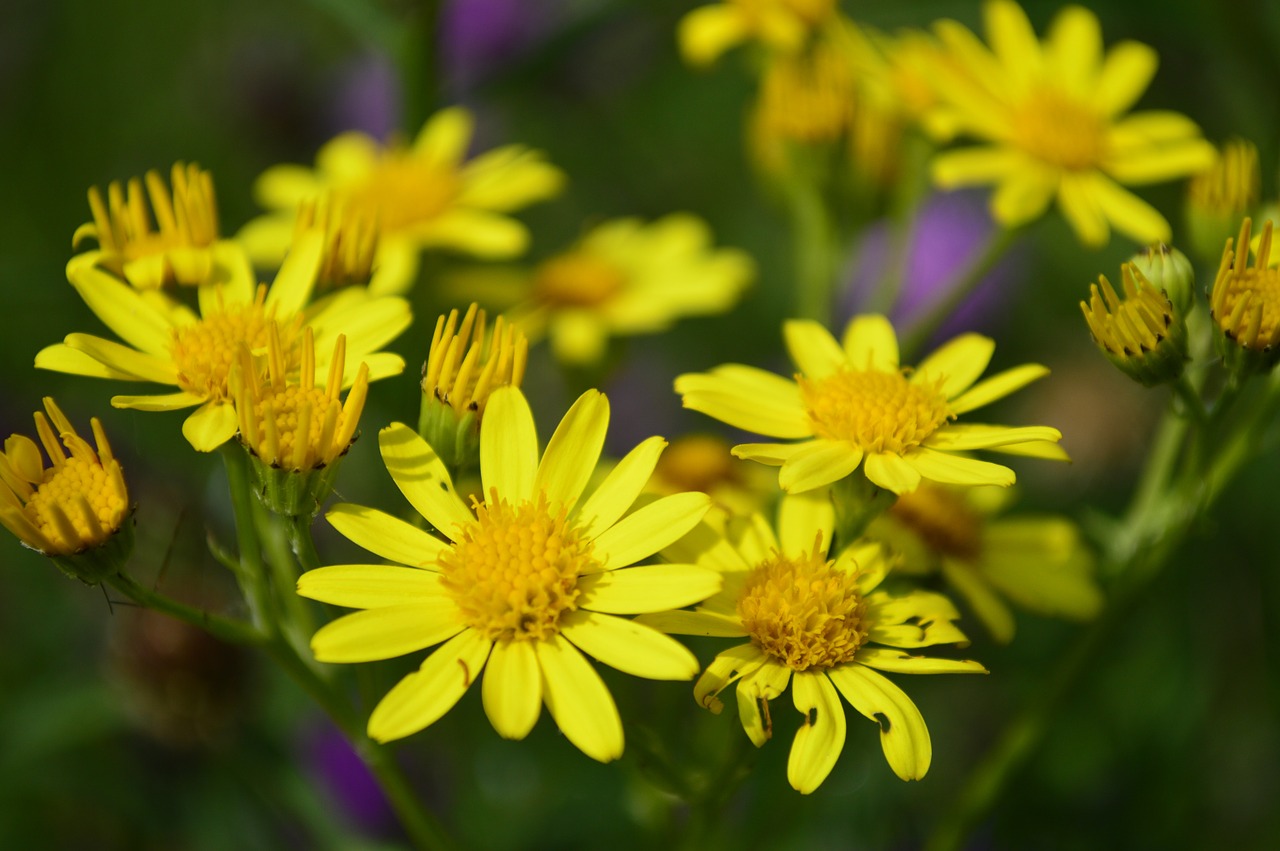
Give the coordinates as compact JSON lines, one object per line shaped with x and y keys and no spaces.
{"x":807,"y":99}
{"x":204,"y":351}
{"x":803,"y":612}
{"x":401,"y":192}
{"x":942,"y":520}
{"x":1059,"y":130}
{"x":72,"y":490}
{"x":577,"y":279}
{"x":514,"y":572}
{"x":876,"y":411}
{"x":698,"y":462}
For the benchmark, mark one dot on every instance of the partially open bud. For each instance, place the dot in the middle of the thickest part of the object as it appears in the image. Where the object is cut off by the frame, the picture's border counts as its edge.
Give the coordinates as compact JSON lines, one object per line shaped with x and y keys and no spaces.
{"x":76,"y":510}
{"x":1169,"y":271}
{"x":1143,"y":334}
{"x":1245,"y":304}
{"x":296,"y":432}
{"x":350,"y":241}
{"x":464,"y":366}
{"x":1220,"y":196}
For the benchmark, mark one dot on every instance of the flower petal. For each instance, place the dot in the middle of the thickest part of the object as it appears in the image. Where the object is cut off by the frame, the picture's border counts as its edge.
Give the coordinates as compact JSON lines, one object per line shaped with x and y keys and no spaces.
{"x":871,"y":343}
{"x":384,"y":535}
{"x":388,"y":631}
{"x":647,"y":530}
{"x":648,"y":588}
{"x":371,"y":586}
{"x":573,"y":451}
{"x":975,"y":166}
{"x":812,"y":348}
{"x":957,"y":469}
{"x":579,"y":701}
{"x":889,"y":471}
{"x":773,"y":454}
{"x":508,"y":447}
{"x":1079,"y":204}
{"x":443,"y":141}
{"x":631,"y":647}
{"x":422,"y":697}
{"x":997,"y":387}
{"x":903,"y":733}
{"x":1129,"y":214}
{"x":165,"y":402}
{"x":1126,"y":72}
{"x":616,"y":494}
{"x":124,"y":311}
{"x":709,"y":31}
{"x":765,"y":683}
{"x":956,"y":364}
{"x":805,"y":520}
{"x":728,"y":666}
{"x":694,"y":623}
{"x":423,"y":479}
{"x":124,"y":359}
{"x":960,"y":436}
{"x":818,"y":463}
{"x":981,"y":597}
{"x":901,"y":662}
{"x":489,"y":236}
{"x":211,"y":425}
{"x":821,"y":738}
{"x":512,"y":688}
{"x":747,"y":398}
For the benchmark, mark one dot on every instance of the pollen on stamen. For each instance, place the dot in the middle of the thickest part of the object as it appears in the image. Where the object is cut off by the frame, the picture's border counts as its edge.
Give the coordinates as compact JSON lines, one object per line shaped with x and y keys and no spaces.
{"x":875,"y":411}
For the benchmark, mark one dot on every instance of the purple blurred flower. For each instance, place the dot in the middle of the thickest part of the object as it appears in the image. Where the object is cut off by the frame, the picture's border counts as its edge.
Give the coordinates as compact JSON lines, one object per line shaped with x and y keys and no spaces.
{"x":479,"y":36}
{"x":950,"y":232}
{"x":367,"y":97}
{"x":348,"y":782}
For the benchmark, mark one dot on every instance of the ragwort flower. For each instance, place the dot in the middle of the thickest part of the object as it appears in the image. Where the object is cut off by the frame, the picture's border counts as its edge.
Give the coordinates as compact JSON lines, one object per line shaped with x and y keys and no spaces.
{"x":168,"y":343}
{"x":522,"y":584}
{"x":708,"y":31}
{"x":816,"y":621}
{"x":419,"y":196}
{"x":853,"y":404}
{"x":1053,"y":117}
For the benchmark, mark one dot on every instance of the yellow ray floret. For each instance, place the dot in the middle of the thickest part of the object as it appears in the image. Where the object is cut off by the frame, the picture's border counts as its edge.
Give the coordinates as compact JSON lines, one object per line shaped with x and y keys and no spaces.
{"x":465,"y":364}
{"x":817,"y":621}
{"x":518,"y":586}
{"x":853,"y":404}
{"x":1052,"y":115}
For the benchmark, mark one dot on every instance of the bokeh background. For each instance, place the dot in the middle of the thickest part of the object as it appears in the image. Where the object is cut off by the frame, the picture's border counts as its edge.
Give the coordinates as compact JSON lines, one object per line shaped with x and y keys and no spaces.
{"x":123,"y":730}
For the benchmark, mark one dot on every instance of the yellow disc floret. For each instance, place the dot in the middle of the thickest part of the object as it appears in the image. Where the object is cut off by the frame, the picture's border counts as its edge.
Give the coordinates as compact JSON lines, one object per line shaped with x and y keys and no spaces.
{"x":578,"y":279}
{"x":204,"y":351}
{"x":401,"y":191}
{"x":875,"y":411}
{"x":804,"y":612}
{"x":514,"y":572}
{"x":1060,"y":130}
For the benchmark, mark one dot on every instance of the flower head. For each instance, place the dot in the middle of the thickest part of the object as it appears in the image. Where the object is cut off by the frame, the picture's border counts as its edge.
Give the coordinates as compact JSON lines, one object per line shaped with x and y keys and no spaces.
{"x":1053,"y":117}
{"x":703,"y":462}
{"x":1245,"y":302}
{"x":170,"y":344}
{"x":182,"y":247}
{"x":1142,"y":334}
{"x":817,"y":621}
{"x":73,"y":509}
{"x":520,"y":584}
{"x":1037,"y":562}
{"x":853,"y":404}
{"x":419,"y":196}
{"x":1222,"y":195}
{"x":350,"y":244}
{"x":626,"y":277}
{"x":708,"y":31}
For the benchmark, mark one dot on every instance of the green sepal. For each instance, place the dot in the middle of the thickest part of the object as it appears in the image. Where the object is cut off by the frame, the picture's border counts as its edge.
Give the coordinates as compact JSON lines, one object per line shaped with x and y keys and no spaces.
{"x":292,"y":493}
{"x":93,"y":565}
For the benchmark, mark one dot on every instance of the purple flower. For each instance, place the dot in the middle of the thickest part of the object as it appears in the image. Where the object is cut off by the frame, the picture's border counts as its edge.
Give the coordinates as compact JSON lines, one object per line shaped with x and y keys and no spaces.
{"x":348,"y":782}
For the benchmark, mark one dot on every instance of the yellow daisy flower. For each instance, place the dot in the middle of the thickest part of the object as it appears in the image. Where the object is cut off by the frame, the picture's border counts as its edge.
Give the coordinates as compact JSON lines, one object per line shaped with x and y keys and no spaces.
{"x":852,"y":404}
{"x":168,"y":343}
{"x":815,"y":621}
{"x":523,"y":583}
{"x":627,"y":277}
{"x":1037,"y":562}
{"x":1053,"y":115}
{"x":708,"y":31}
{"x":184,"y":246}
{"x":423,"y":196}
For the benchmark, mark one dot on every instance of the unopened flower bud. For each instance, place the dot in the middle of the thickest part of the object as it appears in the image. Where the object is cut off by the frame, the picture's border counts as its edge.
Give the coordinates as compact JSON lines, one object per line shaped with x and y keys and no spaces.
{"x":1143,"y":333}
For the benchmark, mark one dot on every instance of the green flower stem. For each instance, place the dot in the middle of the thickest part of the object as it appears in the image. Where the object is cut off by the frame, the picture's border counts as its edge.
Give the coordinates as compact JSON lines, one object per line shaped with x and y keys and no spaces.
{"x":815,"y":262}
{"x":252,"y":574}
{"x":996,"y":247}
{"x":296,"y":622}
{"x":227,"y":629}
{"x":302,"y":544}
{"x":857,"y":502}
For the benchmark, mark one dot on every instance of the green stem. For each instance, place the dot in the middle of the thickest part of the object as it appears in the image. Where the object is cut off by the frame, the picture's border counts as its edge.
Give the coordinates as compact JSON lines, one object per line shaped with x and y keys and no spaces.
{"x":227,"y":629}
{"x":302,"y":544}
{"x":996,"y":247}
{"x":295,"y":616}
{"x":252,"y":574}
{"x":815,"y":265}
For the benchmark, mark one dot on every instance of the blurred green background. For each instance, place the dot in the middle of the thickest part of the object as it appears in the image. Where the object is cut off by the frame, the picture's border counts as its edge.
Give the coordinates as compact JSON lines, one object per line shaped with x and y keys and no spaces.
{"x":124,"y":731}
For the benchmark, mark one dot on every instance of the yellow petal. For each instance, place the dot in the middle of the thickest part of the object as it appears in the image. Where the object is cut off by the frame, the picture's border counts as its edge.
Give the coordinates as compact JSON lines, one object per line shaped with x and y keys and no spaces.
{"x":957,"y":469}
{"x":283,"y":187}
{"x":821,"y":738}
{"x":1024,"y":196}
{"x":211,"y":426}
{"x":903,"y":734}
{"x":631,"y":647}
{"x":512,"y":688}
{"x":1126,"y":72}
{"x":423,"y":479}
{"x":1073,"y":49}
{"x":997,"y":387}
{"x":901,"y":662}
{"x":443,"y":141}
{"x":694,"y":623}
{"x":747,"y":398}
{"x":508,"y":178}
{"x":765,"y":683}
{"x":62,"y":358}
{"x":1079,"y":204}
{"x":889,"y":471}
{"x":805,"y":520}
{"x":371,"y":586}
{"x":573,"y":451}
{"x":727,"y":667}
{"x":960,"y":436}
{"x":124,"y":311}
{"x":166,"y":402}
{"x":489,"y":236}
{"x":956,"y":364}
{"x":389,"y":631}
{"x":579,"y":701}
{"x":1129,"y":214}
{"x":989,"y":608}
{"x":818,"y":463}
{"x":708,"y":31}
{"x":619,"y":490}
{"x":384,"y":535}
{"x":871,"y":343}
{"x":647,"y":530}
{"x":812,"y":348}
{"x":648,"y":588}
{"x":976,"y":166}
{"x":1012,"y":38}
{"x":123,"y":359}
{"x":419,"y":699}
{"x":508,"y":447}
{"x":773,"y":454}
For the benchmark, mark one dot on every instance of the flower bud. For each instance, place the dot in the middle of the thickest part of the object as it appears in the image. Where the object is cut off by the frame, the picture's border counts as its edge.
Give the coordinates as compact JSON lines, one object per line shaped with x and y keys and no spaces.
{"x":1169,"y":271}
{"x":1245,"y":304}
{"x":1143,"y":334}
{"x":1220,"y":196}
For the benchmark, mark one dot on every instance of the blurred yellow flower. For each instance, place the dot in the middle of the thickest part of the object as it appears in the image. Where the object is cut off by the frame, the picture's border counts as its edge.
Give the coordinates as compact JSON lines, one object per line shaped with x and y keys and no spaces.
{"x":1245,"y":301}
{"x":168,"y":343}
{"x":184,"y":245}
{"x":1221,"y":195}
{"x":853,"y":404}
{"x":424,"y":196}
{"x":703,"y":462}
{"x":523,"y":583}
{"x":1038,"y":562}
{"x":1053,"y":115}
{"x":708,"y":31}
{"x":816,"y":621}
{"x":626,"y":277}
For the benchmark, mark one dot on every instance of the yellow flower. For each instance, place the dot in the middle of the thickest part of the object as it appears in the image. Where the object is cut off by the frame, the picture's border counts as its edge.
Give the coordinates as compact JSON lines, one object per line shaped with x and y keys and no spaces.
{"x":1037,"y":562}
{"x":1053,"y":115}
{"x":626,"y":277}
{"x":897,"y":74}
{"x":1245,"y":301}
{"x":71,"y":508}
{"x":522,"y":584}
{"x":703,"y":462}
{"x":183,"y":247}
{"x":350,"y":244}
{"x":424,"y":196}
{"x":709,"y":31}
{"x":170,"y":344}
{"x":815,"y":621}
{"x":1144,"y":335}
{"x":853,"y":404}
{"x":1221,"y":195}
